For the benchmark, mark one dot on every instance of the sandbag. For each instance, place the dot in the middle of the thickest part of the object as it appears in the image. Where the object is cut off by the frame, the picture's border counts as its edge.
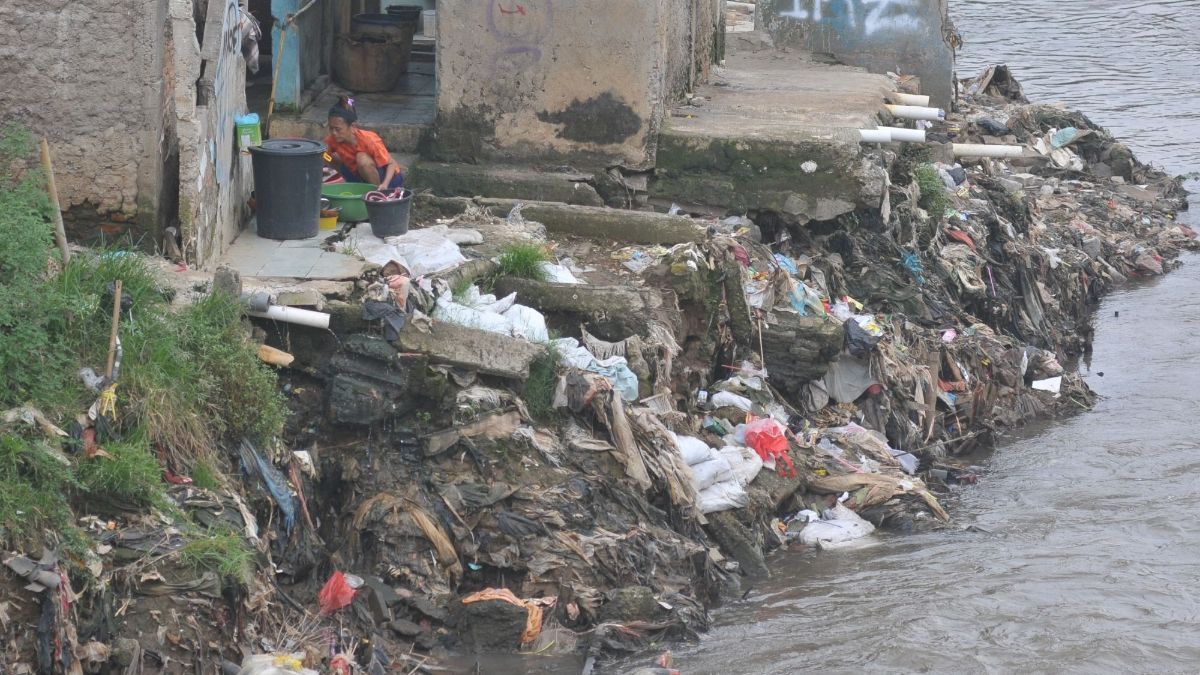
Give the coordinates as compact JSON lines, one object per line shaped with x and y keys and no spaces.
{"x":707,"y":474}
{"x":745,"y":463}
{"x":528,"y":323}
{"x":693,"y":450}
{"x":723,"y":497}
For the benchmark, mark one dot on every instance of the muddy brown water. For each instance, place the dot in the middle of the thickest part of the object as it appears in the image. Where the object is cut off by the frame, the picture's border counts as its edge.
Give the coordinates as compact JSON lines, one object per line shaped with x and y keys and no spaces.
{"x":1089,"y":563}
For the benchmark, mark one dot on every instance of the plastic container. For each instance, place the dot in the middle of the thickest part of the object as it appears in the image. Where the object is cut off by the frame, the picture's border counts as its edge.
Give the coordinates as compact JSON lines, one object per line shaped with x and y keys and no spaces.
{"x":249,"y":131}
{"x":349,"y":198}
{"x":287,"y":187}
{"x":429,"y":24}
{"x":329,"y":218}
{"x":389,"y":219}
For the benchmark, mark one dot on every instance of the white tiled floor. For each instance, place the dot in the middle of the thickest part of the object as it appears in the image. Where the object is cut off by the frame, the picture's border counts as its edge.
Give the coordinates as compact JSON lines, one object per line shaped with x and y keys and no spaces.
{"x":253,"y":256}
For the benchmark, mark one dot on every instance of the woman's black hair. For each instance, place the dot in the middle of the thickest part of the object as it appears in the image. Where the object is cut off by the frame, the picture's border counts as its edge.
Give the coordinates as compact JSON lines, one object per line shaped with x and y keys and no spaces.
{"x":344,"y":108}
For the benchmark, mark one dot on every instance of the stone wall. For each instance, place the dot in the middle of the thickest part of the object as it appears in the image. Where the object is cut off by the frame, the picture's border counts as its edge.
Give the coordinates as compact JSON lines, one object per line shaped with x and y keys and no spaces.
{"x":550,"y":82}
{"x":88,"y":75}
{"x":905,"y":36}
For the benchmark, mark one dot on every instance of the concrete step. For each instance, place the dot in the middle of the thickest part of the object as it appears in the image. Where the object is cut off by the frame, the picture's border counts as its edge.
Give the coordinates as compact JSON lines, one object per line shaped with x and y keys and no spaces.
{"x":777,"y":133}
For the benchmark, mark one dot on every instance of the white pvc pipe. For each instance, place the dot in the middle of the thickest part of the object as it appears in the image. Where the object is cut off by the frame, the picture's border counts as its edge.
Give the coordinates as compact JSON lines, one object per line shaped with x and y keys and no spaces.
{"x":976,"y":150}
{"x":903,"y":135}
{"x":301,"y":317}
{"x":875,"y":135}
{"x":908,"y":99}
{"x":916,"y":112}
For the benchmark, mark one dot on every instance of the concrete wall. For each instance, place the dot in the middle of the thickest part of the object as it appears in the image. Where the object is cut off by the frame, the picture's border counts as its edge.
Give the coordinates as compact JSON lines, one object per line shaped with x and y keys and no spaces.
{"x":904,"y":36}
{"x":547,"y":80}
{"x":214,"y":178}
{"x":88,"y":74}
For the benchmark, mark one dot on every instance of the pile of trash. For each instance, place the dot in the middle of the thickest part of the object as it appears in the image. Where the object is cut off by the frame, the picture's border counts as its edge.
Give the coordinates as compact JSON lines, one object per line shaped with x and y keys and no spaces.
{"x":590,"y":459}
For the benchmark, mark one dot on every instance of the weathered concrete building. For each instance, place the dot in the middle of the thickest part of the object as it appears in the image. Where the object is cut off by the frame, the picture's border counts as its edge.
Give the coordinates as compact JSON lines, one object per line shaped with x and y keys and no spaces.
{"x":137,"y":100}
{"x":909,"y":37}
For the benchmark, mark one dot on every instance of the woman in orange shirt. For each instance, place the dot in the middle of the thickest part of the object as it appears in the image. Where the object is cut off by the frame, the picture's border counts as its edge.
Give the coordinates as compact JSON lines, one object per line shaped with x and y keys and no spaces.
{"x":359,"y":155}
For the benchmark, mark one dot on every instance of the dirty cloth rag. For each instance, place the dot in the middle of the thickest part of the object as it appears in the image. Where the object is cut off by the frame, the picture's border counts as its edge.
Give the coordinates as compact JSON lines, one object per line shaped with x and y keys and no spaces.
{"x":615,"y":368}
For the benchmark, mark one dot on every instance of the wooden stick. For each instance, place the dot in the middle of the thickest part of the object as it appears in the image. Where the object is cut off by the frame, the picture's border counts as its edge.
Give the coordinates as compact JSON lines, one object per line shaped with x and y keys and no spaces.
{"x":60,"y":231}
{"x":112,"y":336}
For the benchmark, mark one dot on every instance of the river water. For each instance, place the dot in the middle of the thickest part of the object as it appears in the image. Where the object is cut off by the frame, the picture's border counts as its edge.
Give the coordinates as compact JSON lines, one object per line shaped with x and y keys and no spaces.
{"x":1088,"y":559}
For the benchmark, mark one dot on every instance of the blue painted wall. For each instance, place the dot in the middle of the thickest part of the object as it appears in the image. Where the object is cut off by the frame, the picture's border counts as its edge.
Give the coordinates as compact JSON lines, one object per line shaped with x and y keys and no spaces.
{"x":904,"y":36}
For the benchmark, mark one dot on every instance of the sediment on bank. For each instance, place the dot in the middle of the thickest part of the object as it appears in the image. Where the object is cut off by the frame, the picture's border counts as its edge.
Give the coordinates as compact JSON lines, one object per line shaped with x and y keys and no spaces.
{"x":594,"y":470}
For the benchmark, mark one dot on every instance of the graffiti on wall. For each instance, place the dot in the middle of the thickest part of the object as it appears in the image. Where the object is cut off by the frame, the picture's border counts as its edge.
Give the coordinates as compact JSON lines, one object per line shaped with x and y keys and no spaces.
{"x":521,"y":26}
{"x":859,"y":17}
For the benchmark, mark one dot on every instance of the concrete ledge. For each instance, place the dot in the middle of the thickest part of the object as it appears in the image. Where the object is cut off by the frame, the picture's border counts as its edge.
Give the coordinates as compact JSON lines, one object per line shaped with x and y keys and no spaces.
{"x":508,"y":182}
{"x":487,"y":353}
{"x":619,"y":311}
{"x":636,"y":227}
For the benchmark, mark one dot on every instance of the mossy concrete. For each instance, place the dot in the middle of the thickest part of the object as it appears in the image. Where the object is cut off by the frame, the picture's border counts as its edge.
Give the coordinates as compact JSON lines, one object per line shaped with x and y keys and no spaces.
{"x":470,"y":180}
{"x":779,"y":134}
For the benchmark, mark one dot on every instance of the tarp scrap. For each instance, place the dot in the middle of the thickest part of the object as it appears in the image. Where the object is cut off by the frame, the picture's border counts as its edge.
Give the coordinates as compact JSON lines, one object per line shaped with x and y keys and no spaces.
{"x":533,"y":621}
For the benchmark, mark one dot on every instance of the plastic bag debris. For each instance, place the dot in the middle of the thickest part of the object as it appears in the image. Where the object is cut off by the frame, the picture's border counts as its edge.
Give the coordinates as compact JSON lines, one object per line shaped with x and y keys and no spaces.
{"x":275,"y":664}
{"x":424,"y":251}
{"x":559,"y":274}
{"x":724,"y":398}
{"x":767,"y":438}
{"x":335,"y":594}
{"x":840,"y":528}
{"x":1052,"y":385}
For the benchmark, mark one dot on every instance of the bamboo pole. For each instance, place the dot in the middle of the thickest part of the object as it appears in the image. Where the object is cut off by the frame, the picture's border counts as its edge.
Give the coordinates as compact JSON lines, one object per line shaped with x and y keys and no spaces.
{"x":60,"y":231}
{"x":112,"y":336}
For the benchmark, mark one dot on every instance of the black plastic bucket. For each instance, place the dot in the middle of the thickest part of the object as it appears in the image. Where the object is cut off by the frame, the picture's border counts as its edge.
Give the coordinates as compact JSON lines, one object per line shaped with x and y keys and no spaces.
{"x":287,"y":187}
{"x":389,"y":219}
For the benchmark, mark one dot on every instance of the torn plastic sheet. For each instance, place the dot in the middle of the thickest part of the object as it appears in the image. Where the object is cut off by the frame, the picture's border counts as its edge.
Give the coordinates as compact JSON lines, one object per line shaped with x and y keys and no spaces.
{"x":425,"y":251}
{"x":273,"y":479}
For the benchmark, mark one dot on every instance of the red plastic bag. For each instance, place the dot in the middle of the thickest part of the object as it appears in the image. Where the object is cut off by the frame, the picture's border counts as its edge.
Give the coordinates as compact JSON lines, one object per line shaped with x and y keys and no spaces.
{"x":769,"y":440}
{"x":335,"y":595}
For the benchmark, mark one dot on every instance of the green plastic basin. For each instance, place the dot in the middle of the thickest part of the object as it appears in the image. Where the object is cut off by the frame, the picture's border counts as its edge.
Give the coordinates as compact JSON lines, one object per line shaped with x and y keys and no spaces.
{"x":349,"y":198}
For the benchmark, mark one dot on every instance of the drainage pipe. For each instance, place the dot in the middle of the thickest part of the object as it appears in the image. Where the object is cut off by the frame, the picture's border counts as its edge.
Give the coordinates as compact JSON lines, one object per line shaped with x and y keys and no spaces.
{"x":875,"y":136}
{"x":916,"y":112}
{"x":301,"y":317}
{"x":976,"y":150}
{"x":908,"y":99}
{"x":902,"y":135}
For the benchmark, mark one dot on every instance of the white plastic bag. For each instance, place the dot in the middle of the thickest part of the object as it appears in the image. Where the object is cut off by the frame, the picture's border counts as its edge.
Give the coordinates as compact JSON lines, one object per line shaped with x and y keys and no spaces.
{"x":845,"y":526}
{"x":723,"y":497}
{"x":451,"y":312}
{"x":745,"y":463}
{"x":708,"y":474}
{"x":527,"y":322}
{"x":724,"y":398}
{"x":693,"y":450}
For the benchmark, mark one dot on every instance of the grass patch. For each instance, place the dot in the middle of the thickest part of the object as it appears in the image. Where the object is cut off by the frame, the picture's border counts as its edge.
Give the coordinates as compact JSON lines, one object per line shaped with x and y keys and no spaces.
{"x":461,"y":288}
{"x":539,"y":388}
{"x":189,"y":379}
{"x":205,"y":475}
{"x":933,"y":190}
{"x":223,"y":552}
{"x":33,"y":483}
{"x":132,"y":475}
{"x":524,"y":261}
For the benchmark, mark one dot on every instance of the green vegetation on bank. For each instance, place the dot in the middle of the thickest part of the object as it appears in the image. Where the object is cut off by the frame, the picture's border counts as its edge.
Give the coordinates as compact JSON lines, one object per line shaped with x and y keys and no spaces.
{"x":524,"y":261}
{"x":189,"y":380}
